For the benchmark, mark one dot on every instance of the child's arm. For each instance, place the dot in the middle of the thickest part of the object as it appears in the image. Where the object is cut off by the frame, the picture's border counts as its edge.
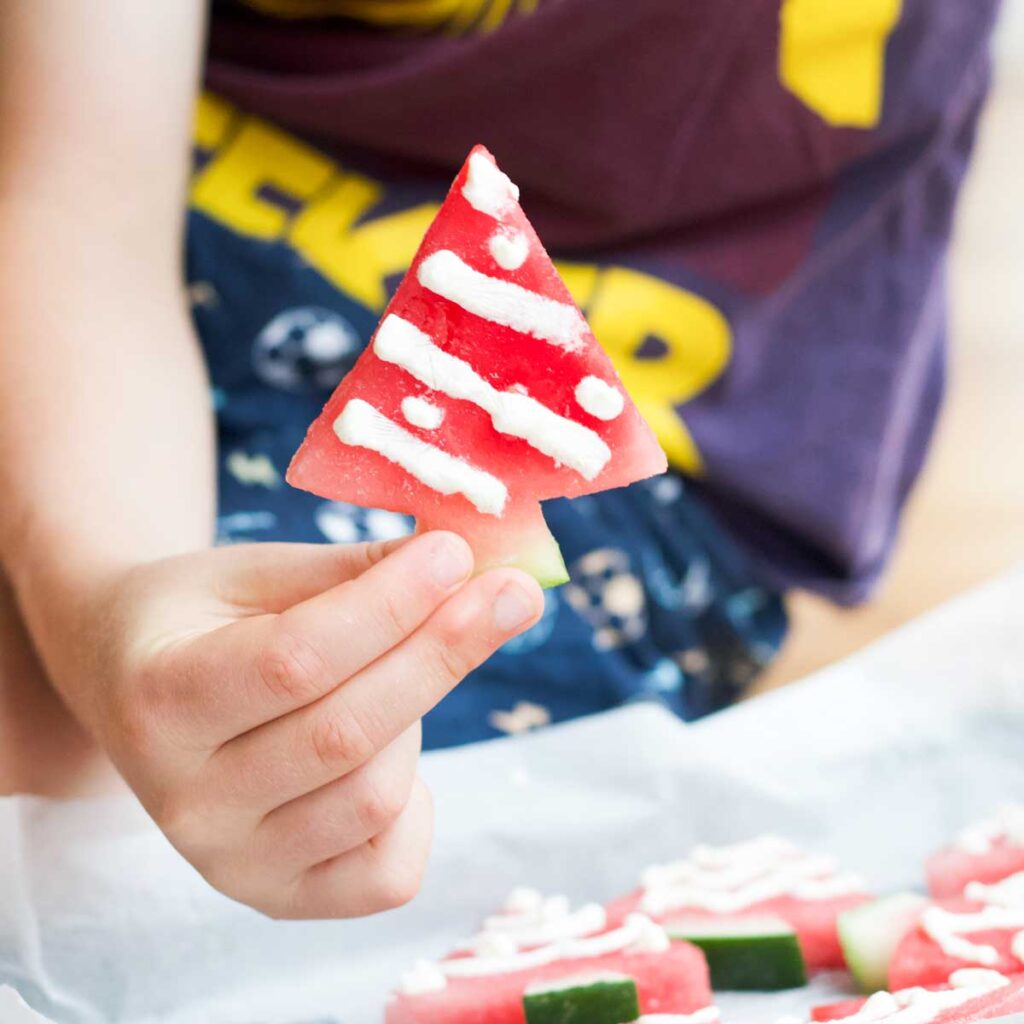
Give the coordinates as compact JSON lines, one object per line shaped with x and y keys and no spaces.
{"x":263,"y":701}
{"x":107,"y":444}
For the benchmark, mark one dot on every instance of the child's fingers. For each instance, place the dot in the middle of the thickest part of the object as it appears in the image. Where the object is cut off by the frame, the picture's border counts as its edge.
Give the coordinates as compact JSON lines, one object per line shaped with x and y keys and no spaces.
{"x":272,"y":577}
{"x":379,"y":875}
{"x":268,"y":666}
{"x":343,"y":814}
{"x":305,"y":750}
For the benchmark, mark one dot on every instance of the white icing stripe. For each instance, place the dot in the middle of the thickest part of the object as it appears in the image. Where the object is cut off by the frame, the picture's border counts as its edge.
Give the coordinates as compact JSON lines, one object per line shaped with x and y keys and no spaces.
{"x":1006,"y":893}
{"x":638,"y":935}
{"x":488,"y":189}
{"x":1007,"y":825}
{"x":421,"y":413}
{"x":921,"y":1006}
{"x":725,"y":880}
{"x":599,"y":398}
{"x":502,"y":302}
{"x":565,"y":441}
{"x":363,"y":426}
{"x":1003,"y":910}
{"x":552,"y":921}
{"x":509,"y":248}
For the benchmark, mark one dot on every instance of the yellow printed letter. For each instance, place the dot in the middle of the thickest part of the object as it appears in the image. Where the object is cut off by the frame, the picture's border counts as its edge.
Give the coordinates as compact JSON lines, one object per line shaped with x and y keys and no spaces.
{"x":832,"y":56}
{"x":259,"y":155}
{"x":357,"y":260}
{"x":667,"y":344}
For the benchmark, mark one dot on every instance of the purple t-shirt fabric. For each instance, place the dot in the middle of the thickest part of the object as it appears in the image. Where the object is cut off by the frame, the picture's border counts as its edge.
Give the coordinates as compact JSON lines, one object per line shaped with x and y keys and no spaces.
{"x":709,"y":144}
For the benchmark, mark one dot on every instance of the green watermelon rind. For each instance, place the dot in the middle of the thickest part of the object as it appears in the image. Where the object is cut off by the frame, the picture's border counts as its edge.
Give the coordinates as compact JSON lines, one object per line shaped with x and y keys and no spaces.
{"x":746,"y":954}
{"x":545,"y":564}
{"x":870,"y":933}
{"x":601,"y":1000}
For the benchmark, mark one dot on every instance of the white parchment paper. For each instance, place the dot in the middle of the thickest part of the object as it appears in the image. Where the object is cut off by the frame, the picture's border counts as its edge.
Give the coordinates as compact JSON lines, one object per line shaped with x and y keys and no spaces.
{"x":877,"y":760}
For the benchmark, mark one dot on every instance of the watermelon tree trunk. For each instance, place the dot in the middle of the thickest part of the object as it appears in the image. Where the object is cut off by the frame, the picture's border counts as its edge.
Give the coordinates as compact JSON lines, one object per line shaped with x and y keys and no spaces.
{"x":520,"y":539}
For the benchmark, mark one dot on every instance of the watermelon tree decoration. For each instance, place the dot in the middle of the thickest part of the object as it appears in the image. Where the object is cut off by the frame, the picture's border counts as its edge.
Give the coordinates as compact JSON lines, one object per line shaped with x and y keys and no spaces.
{"x":988,"y":851}
{"x":967,"y":995}
{"x":482,"y":392}
{"x":739,"y":894}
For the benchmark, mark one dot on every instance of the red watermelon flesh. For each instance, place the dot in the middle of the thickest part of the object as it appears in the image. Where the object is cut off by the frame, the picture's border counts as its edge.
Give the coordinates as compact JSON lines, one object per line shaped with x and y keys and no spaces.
{"x":836,"y":1011}
{"x":674,"y":981}
{"x":998,"y":1003}
{"x":919,"y":960}
{"x":521,"y":375}
{"x":951,"y":869}
{"x":814,"y":921}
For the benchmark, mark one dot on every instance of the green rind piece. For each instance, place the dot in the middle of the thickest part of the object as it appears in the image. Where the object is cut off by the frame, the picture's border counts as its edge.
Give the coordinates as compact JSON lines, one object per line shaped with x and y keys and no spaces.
{"x":543,"y":561}
{"x":595,"y":1001}
{"x":747,"y":961}
{"x":870,"y":933}
{"x":551,"y":575}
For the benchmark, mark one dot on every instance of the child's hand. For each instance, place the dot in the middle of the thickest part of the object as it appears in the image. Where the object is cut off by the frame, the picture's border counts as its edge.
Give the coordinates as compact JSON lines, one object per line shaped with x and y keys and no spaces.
{"x":264,"y":702}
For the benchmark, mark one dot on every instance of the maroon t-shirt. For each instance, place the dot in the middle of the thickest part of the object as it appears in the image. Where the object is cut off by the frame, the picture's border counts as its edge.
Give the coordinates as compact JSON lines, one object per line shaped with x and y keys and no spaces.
{"x":760,"y":191}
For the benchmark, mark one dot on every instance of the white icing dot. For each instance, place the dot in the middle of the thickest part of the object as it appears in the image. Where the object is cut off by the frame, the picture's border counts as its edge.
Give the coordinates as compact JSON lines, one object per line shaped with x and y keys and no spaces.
{"x":509,"y":248}
{"x":523,"y":900}
{"x":424,"y":977}
{"x":648,"y":936}
{"x":599,"y":398}
{"x":488,"y":189}
{"x":421,"y":413}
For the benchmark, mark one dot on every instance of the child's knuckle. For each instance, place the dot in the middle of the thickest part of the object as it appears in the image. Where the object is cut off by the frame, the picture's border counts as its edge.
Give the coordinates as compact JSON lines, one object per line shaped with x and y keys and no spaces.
{"x":290,"y":668}
{"x":340,"y":742}
{"x":450,"y":658}
{"x":379,"y":800}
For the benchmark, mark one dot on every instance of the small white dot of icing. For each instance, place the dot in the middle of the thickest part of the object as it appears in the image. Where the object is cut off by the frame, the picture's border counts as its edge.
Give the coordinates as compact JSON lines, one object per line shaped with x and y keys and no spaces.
{"x":421,"y":413}
{"x":509,"y":248}
{"x":599,"y":398}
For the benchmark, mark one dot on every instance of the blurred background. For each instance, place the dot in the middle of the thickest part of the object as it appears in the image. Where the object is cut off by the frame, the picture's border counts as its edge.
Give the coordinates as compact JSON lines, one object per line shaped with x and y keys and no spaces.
{"x":965,"y":522}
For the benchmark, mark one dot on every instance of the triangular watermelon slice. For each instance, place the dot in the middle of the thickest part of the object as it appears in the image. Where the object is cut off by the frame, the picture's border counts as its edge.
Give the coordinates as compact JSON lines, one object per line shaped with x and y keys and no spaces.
{"x":482,"y":392}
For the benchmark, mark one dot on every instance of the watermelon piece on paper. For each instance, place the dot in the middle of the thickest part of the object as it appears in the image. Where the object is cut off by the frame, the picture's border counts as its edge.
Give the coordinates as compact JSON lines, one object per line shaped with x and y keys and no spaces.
{"x":668,"y":978}
{"x":988,"y":851}
{"x":766,"y":877}
{"x":969,"y":995}
{"x":482,"y":392}
{"x":963,"y":933}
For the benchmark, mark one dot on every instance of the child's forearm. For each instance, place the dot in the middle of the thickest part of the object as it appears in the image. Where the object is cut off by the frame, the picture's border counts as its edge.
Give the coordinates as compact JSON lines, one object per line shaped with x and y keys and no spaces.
{"x":105,"y":447}
{"x":105,"y":425}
